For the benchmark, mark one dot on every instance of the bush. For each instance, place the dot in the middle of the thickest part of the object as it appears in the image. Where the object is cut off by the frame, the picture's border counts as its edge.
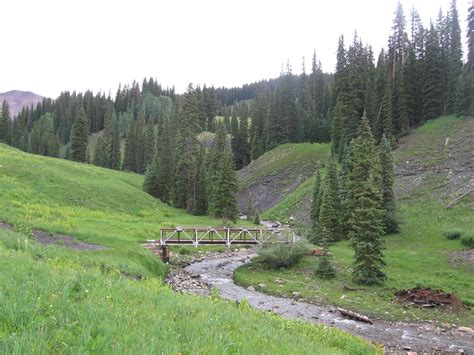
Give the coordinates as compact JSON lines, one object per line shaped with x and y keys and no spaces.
{"x":451,"y":235}
{"x":281,"y":255}
{"x":325,"y":270}
{"x":468,"y":241}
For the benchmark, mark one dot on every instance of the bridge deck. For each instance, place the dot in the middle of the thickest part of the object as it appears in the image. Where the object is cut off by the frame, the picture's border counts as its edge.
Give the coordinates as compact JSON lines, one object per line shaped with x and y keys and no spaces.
{"x":224,"y":236}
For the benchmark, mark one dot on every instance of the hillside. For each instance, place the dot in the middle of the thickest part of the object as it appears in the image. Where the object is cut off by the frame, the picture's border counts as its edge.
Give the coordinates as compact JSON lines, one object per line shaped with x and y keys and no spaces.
{"x":18,"y":99}
{"x":434,"y":168}
{"x":278,"y":173}
{"x":435,"y":160}
{"x":62,"y":298}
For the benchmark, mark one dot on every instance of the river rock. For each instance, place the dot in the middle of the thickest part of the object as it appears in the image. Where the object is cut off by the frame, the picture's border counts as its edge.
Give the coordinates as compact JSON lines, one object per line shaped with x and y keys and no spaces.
{"x":296,"y":295}
{"x":466,"y":330}
{"x":262,"y":285}
{"x":251,"y":288}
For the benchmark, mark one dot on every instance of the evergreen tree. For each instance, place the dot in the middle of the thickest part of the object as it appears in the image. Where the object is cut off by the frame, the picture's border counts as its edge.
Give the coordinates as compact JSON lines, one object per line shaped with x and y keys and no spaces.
{"x":165,"y":155}
{"x":219,"y":146}
{"x":149,"y":145}
{"x":432,"y":91}
{"x":454,"y":55}
{"x":42,"y":140}
{"x":79,"y":136}
{"x":130,"y":154}
{"x":256,"y":220}
{"x":224,"y":198}
{"x":200,"y":207}
{"x":151,"y":184}
{"x":388,"y":197}
{"x":366,"y":226}
{"x":250,"y":206}
{"x":315,"y":205}
{"x":325,"y":269}
{"x":5,"y":124}
{"x":470,"y":39}
{"x":100,"y":154}
{"x":329,"y":223}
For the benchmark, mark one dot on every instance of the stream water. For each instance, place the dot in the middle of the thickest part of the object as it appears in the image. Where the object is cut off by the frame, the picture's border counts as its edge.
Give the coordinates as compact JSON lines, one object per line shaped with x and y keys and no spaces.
{"x":219,"y":273}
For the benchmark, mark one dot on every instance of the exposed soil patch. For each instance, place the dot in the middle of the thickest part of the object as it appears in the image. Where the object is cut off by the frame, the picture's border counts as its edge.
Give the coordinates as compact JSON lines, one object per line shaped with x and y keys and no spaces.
{"x":5,"y":226}
{"x":427,"y":298}
{"x":58,"y":239}
{"x":463,"y":257}
{"x":64,"y":240}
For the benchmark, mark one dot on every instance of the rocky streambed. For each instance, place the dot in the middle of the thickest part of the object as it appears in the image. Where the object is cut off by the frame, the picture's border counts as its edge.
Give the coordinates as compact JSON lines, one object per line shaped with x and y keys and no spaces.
{"x":217,"y":270}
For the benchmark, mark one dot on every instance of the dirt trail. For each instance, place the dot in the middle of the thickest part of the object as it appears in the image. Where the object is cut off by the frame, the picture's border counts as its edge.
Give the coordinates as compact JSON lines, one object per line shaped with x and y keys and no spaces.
{"x":218,"y":273}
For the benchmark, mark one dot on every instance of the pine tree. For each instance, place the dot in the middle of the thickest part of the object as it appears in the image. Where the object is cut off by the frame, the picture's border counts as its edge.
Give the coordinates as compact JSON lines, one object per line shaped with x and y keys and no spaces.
{"x":432,"y":91}
{"x":329,"y":222}
{"x":100,"y":154}
{"x":325,"y":269}
{"x":250,"y":206}
{"x":200,"y":207}
{"x":42,"y":139}
{"x":149,"y":145}
{"x":219,"y":146}
{"x":151,"y":184}
{"x":256,"y":220}
{"x":79,"y":136}
{"x":454,"y":55}
{"x":470,"y":40}
{"x":130,"y":154}
{"x":388,"y":197}
{"x":315,"y":205}
{"x":366,"y":226}
{"x":224,"y":198}
{"x":5,"y":124}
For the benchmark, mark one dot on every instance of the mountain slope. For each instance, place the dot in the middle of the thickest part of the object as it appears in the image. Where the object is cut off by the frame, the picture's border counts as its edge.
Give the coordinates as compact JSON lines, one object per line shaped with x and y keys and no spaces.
{"x":278,"y":173}
{"x":18,"y":99}
{"x":435,"y":160}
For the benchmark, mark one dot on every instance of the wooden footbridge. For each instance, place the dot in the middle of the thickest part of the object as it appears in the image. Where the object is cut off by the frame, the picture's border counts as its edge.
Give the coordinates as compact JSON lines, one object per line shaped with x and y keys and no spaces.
{"x":220,"y":236}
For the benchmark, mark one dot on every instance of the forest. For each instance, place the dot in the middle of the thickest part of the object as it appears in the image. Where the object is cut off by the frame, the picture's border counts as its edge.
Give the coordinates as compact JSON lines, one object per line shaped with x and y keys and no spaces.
{"x":365,"y":106}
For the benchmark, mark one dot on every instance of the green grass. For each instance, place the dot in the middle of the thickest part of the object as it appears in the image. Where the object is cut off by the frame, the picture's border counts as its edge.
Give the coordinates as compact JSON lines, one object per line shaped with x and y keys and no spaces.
{"x":58,"y":300}
{"x":418,"y":255}
{"x":293,"y":158}
{"x":95,"y":205}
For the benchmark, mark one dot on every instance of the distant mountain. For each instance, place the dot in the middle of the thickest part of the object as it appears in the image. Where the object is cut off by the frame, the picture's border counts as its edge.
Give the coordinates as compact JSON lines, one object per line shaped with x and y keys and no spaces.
{"x":18,"y":99}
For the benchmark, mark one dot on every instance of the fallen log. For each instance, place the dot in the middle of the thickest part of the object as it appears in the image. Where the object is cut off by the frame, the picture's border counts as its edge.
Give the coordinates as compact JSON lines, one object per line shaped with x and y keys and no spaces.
{"x":354,"y":316}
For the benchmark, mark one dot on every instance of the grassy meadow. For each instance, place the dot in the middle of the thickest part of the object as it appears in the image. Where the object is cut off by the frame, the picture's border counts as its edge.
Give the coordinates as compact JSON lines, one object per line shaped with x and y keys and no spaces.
{"x":59,"y":300}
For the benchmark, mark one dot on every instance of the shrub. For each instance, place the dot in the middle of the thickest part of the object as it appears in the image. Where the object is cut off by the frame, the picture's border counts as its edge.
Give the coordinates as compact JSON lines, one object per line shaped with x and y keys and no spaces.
{"x":281,"y":255}
{"x":325,"y":269}
{"x":468,"y":241}
{"x":451,"y":235}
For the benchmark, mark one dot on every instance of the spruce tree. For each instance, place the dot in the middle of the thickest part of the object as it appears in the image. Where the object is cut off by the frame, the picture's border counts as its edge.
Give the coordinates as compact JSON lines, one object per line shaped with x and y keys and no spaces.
{"x":365,"y":203}
{"x":79,"y":136}
{"x":130,"y":154}
{"x":200,"y":207}
{"x":432,"y":90}
{"x":256,"y":220}
{"x":315,"y":205}
{"x":325,"y":269}
{"x":329,"y":222}
{"x":100,"y":154}
{"x":388,"y":197}
{"x":224,"y":197}
{"x":454,"y":55}
{"x":5,"y":124}
{"x":151,"y":184}
{"x":470,"y":40}
{"x":250,"y":206}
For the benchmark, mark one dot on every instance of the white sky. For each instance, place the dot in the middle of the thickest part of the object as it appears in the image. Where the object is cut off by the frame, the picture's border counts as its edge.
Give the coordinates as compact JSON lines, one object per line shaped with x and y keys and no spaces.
{"x":49,"y":46}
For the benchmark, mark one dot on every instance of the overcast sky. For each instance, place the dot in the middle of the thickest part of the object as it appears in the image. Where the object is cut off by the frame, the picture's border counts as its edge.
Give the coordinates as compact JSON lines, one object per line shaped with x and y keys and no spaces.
{"x":50,"y":46}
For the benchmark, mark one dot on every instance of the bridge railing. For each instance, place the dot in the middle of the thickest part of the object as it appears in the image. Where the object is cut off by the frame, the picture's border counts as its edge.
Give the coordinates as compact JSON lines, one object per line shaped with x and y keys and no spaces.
{"x":224,"y":236}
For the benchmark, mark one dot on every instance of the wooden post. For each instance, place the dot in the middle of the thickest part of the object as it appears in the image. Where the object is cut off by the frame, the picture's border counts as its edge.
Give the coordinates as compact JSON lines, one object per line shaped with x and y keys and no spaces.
{"x":165,"y":253}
